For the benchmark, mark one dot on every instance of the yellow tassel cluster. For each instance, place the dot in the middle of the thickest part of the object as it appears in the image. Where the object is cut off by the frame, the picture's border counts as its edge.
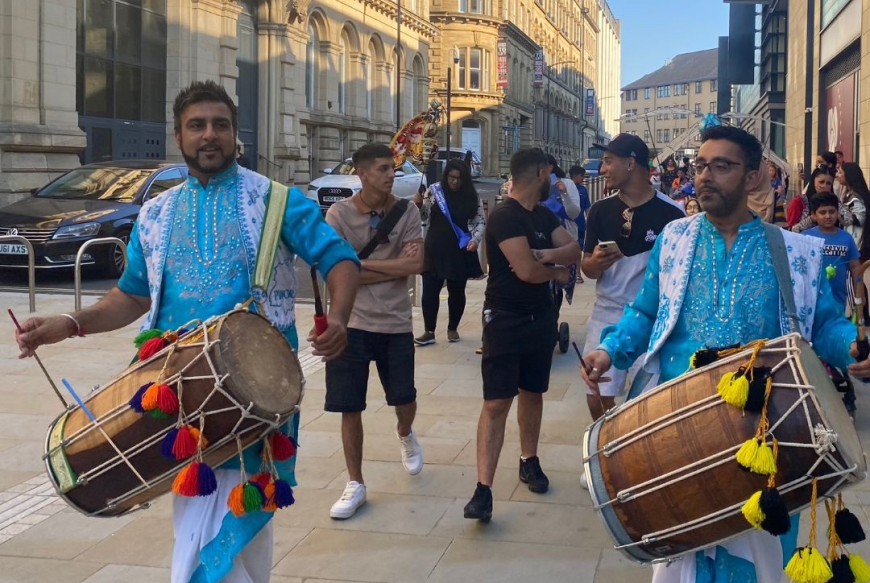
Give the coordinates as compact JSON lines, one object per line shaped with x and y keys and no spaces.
{"x":753,"y":512}
{"x":734,"y":388}
{"x":756,"y":456}
{"x":808,"y":565}
{"x":860,"y":569}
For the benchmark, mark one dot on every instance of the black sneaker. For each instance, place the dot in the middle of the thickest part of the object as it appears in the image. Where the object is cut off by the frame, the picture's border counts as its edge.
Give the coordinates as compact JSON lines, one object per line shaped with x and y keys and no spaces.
{"x":532,"y":474}
{"x":480,"y":506}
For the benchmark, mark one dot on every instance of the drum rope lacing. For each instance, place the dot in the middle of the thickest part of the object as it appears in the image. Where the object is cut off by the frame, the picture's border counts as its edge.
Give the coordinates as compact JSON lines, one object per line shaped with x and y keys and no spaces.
{"x":124,"y":457}
{"x":823,"y":442}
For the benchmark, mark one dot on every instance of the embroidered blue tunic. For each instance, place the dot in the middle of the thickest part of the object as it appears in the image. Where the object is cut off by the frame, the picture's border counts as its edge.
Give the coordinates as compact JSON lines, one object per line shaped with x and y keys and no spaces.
{"x":207,"y":273}
{"x":731,"y":297}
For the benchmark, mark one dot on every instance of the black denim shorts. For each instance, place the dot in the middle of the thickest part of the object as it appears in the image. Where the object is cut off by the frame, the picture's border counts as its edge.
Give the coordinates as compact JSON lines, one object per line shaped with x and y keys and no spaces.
{"x":517,"y":352}
{"x":347,"y":377}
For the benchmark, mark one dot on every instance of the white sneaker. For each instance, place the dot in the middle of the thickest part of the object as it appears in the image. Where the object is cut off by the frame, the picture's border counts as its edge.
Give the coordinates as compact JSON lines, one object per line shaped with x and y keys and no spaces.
{"x":412,"y":453}
{"x":583,"y":481}
{"x":352,"y":498}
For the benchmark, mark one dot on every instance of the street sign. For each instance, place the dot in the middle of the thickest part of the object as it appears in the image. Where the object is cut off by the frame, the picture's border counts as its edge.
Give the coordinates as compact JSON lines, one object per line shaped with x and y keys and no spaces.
{"x":539,"y":69}
{"x":590,"y":102}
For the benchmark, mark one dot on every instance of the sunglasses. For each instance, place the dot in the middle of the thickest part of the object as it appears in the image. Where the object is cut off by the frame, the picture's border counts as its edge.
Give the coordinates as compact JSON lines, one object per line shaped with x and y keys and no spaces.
{"x":627,"y":215}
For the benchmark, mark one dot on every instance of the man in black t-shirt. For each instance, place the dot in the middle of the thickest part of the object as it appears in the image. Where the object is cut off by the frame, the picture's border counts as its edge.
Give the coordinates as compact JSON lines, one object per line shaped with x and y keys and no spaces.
{"x":628,"y":225}
{"x":527,"y":249}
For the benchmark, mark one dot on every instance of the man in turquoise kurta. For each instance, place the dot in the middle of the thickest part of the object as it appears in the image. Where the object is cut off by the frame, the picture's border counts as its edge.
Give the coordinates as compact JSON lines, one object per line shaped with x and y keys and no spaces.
{"x":711,"y":282}
{"x":191,"y":256}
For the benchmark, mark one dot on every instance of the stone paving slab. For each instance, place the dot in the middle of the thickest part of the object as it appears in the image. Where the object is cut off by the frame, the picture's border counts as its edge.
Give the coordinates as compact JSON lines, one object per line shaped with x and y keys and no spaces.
{"x":412,"y":527}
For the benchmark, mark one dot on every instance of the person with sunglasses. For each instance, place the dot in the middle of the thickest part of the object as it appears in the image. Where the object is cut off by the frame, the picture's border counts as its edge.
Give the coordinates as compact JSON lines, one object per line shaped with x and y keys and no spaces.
{"x":380,"y":329}
{"x":620,"y":233}
{"x":719,"y":278}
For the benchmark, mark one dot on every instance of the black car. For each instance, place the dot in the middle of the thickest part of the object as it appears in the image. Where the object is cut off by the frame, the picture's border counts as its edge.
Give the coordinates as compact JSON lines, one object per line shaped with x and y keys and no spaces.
{"x":96,"y":200}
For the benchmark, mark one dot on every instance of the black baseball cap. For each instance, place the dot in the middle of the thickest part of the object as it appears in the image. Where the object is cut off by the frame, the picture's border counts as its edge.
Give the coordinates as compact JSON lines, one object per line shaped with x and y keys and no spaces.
{"x":627,"y":146}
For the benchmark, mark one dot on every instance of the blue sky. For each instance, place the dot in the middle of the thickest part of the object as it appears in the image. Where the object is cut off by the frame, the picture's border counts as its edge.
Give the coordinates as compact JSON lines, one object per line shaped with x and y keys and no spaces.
{"x":656,"y":30}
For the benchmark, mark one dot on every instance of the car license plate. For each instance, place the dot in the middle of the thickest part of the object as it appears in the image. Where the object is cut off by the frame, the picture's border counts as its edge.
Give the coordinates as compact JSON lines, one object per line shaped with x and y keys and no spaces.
{"x":331,"y":198}
{"x":12,"y":249}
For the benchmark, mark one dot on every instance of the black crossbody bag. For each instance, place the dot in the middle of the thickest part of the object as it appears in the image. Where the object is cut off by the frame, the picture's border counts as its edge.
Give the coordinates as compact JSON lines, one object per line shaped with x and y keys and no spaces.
{"x":382,"y":232}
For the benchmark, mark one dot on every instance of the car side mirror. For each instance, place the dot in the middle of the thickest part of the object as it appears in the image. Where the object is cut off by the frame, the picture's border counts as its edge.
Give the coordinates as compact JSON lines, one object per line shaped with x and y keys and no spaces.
{"x":400,"y":174}
{"x":327,"y":170}
{"x":33,"y":191}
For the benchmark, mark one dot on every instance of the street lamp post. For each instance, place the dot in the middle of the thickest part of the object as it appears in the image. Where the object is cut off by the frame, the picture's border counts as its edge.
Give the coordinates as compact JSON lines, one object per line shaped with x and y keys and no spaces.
{"x":449,"y":92}
{"x":549,"y":79}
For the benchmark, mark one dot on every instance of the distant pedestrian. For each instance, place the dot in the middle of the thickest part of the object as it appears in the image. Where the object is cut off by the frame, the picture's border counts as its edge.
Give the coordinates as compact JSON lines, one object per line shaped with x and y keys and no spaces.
{"x":856,"y":200}
{"x":455,"y":216}
{"x":469,"y":158}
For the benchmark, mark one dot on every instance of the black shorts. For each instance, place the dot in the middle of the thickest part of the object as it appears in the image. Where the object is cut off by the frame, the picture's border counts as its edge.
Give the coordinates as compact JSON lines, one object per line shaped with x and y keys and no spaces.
{"x":517,"y":352}
{"x":347,"y":377}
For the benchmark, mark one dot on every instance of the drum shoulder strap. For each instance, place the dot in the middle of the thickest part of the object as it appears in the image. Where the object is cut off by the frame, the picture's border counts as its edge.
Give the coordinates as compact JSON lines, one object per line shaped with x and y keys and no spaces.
{"x":270,"y":235}
{"x":779,"y":258}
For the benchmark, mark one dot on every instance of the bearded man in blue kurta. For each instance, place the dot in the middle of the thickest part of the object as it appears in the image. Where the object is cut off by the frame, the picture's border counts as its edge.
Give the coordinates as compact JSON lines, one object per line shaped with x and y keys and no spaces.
{"x":711,"y":281}
{"x":191,"y":256}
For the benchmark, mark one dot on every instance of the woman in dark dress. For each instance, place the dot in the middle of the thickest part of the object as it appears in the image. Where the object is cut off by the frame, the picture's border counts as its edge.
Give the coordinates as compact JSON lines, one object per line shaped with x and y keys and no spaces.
{"x":450,"y":248}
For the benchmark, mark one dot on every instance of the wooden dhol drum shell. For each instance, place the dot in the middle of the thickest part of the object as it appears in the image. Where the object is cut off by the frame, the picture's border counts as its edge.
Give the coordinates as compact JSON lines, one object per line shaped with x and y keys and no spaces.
{"x":262,"y":387}
{"x":661,"y":468}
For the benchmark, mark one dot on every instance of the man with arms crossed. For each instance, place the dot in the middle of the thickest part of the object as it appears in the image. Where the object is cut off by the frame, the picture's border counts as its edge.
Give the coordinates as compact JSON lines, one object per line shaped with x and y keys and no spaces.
{"x":380,"y":327}
{"x":527,"y":251}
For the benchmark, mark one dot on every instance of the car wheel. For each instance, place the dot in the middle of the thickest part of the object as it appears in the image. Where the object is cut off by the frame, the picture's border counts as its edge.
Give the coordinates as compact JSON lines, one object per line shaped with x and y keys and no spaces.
{"x":112,"y":264}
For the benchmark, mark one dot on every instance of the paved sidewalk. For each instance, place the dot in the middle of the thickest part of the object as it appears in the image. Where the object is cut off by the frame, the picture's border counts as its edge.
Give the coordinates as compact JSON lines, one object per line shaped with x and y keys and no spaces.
{"x":411,"y":530}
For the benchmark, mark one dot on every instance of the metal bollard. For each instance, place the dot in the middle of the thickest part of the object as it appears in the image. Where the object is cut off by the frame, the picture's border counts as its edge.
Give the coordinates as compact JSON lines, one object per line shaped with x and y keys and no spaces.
{"x":31,"y":266}
{"x":78,"y":266}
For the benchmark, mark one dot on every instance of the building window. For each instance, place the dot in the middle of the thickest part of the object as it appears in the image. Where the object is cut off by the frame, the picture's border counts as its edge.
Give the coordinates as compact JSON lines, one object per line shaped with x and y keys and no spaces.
{"x":667,"y":90}
{"x":667,"y":116}
{"x":712,"y":107}
{"x":646,"y":135}
{"x":311,"y":66}
{"x":658,"y":135}
{"x":391,"y":89}
{"x":474,"y":67}
{"x":647,"y":92}
{"x":714,"y":86}
{"x":698,"y":87}
{"x":660,"y":91}
{"x":666,"y":137}
{"x":368,"y":75}
{"x":634,"y":94}
{"x":698,"y":108}
{"x":121,"y":76}
{"x":474,"y":6}
{"x":342,"y":73}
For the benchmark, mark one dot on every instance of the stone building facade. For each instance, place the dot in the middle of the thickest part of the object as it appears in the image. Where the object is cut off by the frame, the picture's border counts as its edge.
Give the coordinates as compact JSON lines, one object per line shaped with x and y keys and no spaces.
{"x":94,"y":80}
{"x":838,"y":112}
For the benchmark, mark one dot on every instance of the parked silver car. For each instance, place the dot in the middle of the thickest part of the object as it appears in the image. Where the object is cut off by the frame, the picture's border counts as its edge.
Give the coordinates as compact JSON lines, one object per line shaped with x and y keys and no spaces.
{"x":342,"y":182}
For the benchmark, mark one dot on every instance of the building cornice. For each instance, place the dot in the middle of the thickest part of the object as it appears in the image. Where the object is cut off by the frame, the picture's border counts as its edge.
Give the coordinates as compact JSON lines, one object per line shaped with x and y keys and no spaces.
{"x":465,"y":18}
{"x":516,"y":33}
{"x":390,"y":9}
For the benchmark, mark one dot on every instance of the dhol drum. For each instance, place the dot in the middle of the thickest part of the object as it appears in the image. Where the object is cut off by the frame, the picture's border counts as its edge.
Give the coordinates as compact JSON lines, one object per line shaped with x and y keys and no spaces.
{"x":661,"y":468}
{"x":236,"y":377}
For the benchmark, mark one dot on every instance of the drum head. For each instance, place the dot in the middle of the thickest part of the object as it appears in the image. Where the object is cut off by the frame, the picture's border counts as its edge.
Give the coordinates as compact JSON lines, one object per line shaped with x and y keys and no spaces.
{"x":832,"y":408}
{"x":262,"y":366}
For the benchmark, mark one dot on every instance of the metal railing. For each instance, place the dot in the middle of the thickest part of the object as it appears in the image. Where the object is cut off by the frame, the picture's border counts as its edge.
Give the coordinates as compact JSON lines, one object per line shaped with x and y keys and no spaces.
{"x":596,"y":188}
{"x":78,"y":266}
{"x":31,"y":266}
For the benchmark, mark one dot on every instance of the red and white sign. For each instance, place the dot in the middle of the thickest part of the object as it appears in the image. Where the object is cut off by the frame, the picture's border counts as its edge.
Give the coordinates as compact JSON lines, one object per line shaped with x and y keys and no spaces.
{"x":840,"y":106}
{"x":502,"y":65}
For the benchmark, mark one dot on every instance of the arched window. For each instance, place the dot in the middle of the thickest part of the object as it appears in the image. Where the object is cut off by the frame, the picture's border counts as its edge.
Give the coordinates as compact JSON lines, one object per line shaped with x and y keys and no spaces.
{"x":391,"y":93}
{"x":415,"y":88}
{"x":343,"y":62}
{"x":311,"y":66}
{"x":368,"y":73}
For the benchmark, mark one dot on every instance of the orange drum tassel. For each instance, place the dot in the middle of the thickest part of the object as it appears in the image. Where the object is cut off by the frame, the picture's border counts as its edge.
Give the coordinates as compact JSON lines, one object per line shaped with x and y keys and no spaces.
{"x":269,"y":491}
{"x":236,"y":501}
{"x":283,"y":447}
{"x":151,"y":347}
{"x":149,"y":398}
{"x":186,"y":483}
{"x":167,"y":400}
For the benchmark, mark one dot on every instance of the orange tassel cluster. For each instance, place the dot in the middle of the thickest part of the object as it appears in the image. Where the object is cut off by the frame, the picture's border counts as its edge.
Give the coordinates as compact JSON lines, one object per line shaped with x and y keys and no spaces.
{"x":160,"y":400}
{"x":197,"y":479}
{"x":262,"y":492}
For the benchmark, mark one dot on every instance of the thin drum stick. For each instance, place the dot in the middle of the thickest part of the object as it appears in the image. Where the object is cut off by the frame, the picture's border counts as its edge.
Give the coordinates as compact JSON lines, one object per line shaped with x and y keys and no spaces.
{"x":588,"y":371}
{"x":39,"y":362}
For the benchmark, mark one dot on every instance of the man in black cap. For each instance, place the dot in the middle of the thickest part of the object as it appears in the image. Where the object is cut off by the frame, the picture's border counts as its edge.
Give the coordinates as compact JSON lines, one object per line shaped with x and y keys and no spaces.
{"x":620,"y":233}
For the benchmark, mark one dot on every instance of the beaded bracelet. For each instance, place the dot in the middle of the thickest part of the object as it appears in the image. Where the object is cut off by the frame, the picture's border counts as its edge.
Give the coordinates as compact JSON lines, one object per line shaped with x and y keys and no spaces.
{"x":78,"y":332}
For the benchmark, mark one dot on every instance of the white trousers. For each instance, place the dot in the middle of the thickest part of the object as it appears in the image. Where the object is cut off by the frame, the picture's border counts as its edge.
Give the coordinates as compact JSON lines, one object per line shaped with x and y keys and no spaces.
{"x":198,"y":520}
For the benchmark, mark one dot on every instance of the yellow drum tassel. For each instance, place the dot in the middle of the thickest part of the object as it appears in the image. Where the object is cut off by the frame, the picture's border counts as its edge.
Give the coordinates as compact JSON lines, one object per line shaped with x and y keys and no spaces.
{"x":808,"y":565}
{"x":734,"y":388}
